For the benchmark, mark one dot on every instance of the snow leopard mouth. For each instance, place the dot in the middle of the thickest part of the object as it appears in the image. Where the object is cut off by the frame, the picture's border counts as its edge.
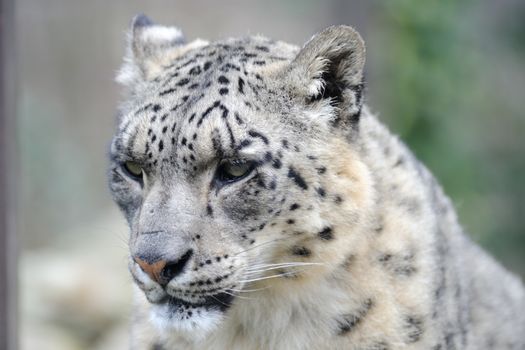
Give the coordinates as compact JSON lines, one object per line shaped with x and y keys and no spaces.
{"x":198,"y":317}
{"x":220,"y":302}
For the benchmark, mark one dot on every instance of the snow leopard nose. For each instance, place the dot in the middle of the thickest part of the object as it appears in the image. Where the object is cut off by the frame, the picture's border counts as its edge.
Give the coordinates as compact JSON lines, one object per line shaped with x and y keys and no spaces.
{"x":163,"y":271}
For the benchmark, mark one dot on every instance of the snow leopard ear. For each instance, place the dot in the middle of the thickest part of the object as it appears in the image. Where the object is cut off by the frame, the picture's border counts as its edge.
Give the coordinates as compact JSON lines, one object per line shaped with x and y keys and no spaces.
{"x":329,"y":69}
{"x":149,"y":48}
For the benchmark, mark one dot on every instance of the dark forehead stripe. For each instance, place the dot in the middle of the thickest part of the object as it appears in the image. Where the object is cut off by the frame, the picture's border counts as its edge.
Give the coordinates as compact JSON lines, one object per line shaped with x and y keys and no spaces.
{"x":191,"y":77}
{"x":208,"y":111}
{"x":256,"y":134}
{"x":230,"y":133}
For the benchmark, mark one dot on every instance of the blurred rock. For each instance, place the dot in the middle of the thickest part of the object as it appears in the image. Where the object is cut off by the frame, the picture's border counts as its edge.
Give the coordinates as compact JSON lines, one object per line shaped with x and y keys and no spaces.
{"x":76,"y":294}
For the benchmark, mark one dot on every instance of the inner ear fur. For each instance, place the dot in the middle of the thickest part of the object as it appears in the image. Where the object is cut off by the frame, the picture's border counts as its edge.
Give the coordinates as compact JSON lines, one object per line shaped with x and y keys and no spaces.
{"x":150,"y":46}
{"x":330,"y":67}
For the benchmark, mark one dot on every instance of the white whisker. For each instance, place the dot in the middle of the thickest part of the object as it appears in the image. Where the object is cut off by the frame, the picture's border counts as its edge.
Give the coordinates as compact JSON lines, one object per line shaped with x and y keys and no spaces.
{"x":267,"y":277}
{"x":248,"y":290}
{"x":262,"y":244}
{"x":272,"y":266}
{"x":237,"y":296}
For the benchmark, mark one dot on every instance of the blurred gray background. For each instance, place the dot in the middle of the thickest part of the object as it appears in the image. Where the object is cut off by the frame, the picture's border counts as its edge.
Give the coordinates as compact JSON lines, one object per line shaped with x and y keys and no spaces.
{"x":447,"y":76}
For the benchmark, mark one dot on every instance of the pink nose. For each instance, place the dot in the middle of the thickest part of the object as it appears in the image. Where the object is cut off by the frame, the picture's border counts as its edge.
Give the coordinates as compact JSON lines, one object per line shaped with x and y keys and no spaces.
{"x":163,"y":271}
{"x":153,"y":270}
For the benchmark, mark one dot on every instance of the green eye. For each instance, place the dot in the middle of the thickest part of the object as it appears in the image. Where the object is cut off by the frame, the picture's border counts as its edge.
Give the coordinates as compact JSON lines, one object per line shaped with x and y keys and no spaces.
{"x":133,"y":169}
{"x":230,"y":171}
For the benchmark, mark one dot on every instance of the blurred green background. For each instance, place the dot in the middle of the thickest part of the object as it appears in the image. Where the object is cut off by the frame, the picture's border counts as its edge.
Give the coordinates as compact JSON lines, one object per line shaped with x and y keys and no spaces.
{"x":447,"y":76}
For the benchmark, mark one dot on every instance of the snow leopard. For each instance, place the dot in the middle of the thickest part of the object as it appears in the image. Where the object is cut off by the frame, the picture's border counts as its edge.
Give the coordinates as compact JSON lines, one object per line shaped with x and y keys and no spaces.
{"x":269,"y":208}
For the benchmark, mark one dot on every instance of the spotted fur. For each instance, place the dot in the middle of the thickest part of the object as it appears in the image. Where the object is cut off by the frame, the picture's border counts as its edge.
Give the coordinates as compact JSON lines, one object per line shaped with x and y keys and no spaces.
{"x":332,"y":237}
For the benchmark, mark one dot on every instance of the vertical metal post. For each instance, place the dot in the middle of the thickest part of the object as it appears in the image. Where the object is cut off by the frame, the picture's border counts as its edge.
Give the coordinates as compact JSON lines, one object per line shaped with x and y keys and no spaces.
{"x":8,"y":254}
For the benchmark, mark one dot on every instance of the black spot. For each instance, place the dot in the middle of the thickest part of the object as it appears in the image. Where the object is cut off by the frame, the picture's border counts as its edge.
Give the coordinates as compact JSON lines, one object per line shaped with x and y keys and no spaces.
{"x":195,"y":70}
{"x":165,"y":92}
{"x":277,"y":163}
{"x":349,"y":259}
{"x":401,"y":265}
{"x":156,"y":108}
{"x":207,"y":65}
{"x":301,"y":251}
{"x":262,"y":48}
{"x":255,"y":134}
{"x":161,"y":145}
{"x":414,"y":328}
{"x":164,"y":129}
{"x":380,"y":345}
{"x":294,"y":206}
{"x":378,"y":226}
{"x":260,"y":182}
{"x":285,"y":143}
{"x":223,"y":91}
{"x":184,"y":141}
{"x":412,"y":205}
{"x":338,"y":199}
{"x":223,"y":80}
{"x":290,"y":221}
{"x":241,"y":85}
{"x":144,"y":108}
{"x":238,"y":118}
{"x":321,"y":191}
{"x":321,"y":170}
{"x":268,"y":156}
{"x":228,"y":66}
{"x":297,"y":178}
{"x":326,"y":233}
{"x":399,"y":161}
{"x":349,"y":321}
{"x":244,"y":143}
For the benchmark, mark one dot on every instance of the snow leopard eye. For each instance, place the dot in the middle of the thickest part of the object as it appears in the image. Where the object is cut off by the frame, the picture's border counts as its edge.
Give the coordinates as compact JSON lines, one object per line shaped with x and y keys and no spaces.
{"x":233,"y":170}
{"x":133,"y":169}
